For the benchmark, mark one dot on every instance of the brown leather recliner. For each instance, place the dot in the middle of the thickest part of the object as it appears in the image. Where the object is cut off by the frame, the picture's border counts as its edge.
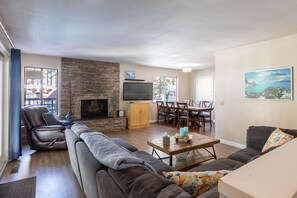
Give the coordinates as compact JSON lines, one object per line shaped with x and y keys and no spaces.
{"x":39,"y":135}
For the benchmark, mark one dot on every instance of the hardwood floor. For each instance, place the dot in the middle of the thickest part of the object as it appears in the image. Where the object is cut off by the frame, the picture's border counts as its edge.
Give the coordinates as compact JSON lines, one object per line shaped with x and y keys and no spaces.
{"x":55,"y":177}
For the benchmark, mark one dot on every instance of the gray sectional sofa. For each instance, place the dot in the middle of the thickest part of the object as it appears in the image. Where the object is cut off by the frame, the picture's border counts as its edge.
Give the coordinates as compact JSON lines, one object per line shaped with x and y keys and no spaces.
{"x":98,"y":180}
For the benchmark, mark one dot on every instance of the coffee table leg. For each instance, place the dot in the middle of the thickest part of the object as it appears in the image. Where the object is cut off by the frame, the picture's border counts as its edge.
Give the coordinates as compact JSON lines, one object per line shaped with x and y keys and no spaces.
{"x":214,"y":152}
{"x":170,"y":160}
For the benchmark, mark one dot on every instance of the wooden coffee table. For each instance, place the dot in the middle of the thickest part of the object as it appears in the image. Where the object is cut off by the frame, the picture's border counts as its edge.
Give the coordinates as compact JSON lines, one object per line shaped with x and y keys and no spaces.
{"x":198,"y":142}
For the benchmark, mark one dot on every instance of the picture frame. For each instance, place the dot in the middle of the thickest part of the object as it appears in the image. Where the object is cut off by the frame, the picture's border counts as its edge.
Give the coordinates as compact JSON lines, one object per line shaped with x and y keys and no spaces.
{"x":130,"y":74}
{"x":269,"y":84}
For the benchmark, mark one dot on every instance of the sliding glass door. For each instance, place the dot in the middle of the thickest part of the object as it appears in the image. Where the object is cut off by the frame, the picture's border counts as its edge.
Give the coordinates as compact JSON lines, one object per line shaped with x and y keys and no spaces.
{"x":41,"y":87}
{"x":1,"y":105}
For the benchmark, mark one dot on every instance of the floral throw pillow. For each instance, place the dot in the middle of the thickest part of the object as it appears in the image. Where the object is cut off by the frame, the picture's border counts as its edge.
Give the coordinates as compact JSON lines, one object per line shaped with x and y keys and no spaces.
{"x":277,"y":138}
{"x":196,"y":183}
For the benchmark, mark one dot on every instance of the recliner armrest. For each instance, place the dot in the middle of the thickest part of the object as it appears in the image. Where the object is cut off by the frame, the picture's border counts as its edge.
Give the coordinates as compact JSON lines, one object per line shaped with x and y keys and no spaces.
{"x":49,"y":128}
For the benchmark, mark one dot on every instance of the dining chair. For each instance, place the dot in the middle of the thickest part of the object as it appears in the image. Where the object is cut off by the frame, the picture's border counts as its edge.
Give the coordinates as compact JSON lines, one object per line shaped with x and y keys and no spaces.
{"x":171,"y":112}
{"x":161,"y":111}
{"x":188,"y":101}
{"x":196,"y":114}
{"x":205,"y":116}
{"x":183,"y":115}
{"x":197,"y":103}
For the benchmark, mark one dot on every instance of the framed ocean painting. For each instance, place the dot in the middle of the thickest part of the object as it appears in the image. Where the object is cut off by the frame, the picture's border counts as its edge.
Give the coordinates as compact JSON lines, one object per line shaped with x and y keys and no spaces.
{"x":271,"y":84}
{"x":130,"y":74}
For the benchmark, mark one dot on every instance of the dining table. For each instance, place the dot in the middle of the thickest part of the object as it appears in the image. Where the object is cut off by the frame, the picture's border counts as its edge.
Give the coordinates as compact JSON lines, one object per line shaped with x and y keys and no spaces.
{"x":194,"y":109}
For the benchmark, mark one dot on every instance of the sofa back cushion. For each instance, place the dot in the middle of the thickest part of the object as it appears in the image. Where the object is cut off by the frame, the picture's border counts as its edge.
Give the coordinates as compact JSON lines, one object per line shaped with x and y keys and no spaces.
{"x":258,"y":135}
{"x":140,"y":182}
{"x":110,"y":154}
{"x":107,"y":187}
{"x":34,"y":115}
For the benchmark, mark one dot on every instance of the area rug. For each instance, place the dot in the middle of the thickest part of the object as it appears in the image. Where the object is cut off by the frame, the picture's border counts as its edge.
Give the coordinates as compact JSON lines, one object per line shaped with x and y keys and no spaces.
{"x":24,"y":188}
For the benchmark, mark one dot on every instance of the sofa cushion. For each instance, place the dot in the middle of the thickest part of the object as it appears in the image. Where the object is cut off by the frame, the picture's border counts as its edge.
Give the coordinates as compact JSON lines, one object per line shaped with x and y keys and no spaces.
{"x":277,"y":138}
{"x":220,"y":164}
{"x":106,"y":186}
{"x":212,"y":193}
{"x":244,"y":155}
{"x":258,"y":135}
{"x":124,"y":144}
{"x":158,"y":165}
{"x":34,"y":114}
{"x":196,"y":183}
{"x":172,"y":191}
{"x":139,"y":182}
{"x":253,"y":158}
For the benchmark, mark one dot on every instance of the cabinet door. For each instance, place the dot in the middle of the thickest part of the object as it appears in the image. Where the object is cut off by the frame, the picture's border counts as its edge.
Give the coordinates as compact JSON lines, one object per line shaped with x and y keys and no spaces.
{"x":145,"y":114}
{"x":135,"y":110}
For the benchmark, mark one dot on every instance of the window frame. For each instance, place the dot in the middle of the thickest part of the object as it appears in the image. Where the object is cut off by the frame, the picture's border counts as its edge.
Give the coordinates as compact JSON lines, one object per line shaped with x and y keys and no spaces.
{"x":41,"y":98}
{"x":176,"y":87}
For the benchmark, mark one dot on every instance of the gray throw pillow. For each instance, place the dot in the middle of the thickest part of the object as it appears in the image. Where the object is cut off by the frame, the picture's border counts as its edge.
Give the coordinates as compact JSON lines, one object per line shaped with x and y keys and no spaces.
{"x":50,"y":119}
{"x":78,"y":129}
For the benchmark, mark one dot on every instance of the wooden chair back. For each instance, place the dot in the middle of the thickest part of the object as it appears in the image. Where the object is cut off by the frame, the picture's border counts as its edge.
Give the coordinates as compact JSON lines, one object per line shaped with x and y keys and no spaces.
{"x":182,"y":108}
{"x":160,"y":106}
{"x":188,"y":102}
{"x":207,"y":104}
{"x":197,"y":103}
{"x":170,"y":107}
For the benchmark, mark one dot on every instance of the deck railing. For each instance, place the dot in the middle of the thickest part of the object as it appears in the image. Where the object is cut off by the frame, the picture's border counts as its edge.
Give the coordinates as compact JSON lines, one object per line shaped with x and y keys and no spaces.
{"x":50,"y":103}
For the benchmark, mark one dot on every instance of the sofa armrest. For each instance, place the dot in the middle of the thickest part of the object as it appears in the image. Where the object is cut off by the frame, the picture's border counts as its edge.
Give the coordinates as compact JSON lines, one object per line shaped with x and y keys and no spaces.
{"x":124,"y":144}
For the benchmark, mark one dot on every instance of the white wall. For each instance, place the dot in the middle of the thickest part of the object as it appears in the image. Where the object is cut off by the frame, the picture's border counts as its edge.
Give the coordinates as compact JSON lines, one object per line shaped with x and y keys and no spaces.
{"x":234,"y":113}
{"x":41,"y":61}
{"x":148,"y":74}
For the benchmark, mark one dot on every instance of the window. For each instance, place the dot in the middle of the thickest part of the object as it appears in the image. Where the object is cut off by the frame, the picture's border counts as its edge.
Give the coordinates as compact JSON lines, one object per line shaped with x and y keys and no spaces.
{"x":165,"y":88}
{"x":41,"y":87}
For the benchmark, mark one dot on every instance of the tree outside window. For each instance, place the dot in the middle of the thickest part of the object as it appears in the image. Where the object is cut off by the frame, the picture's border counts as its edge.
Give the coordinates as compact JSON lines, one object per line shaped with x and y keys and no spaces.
{"x":41,"y":87}
{"x":165,"y":88}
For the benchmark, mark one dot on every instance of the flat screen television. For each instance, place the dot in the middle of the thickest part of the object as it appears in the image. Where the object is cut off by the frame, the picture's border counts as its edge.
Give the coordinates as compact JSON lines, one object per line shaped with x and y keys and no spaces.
{"x":137,"y":91}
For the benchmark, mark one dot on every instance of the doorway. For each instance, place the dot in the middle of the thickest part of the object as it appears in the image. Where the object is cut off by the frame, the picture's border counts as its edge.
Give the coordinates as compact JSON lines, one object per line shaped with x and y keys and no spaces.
{"x":204,"y":88}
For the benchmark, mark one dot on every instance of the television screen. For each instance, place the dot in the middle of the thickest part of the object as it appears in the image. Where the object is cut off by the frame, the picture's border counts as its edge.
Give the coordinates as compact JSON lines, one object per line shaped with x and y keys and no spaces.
{"x":137,"y":91}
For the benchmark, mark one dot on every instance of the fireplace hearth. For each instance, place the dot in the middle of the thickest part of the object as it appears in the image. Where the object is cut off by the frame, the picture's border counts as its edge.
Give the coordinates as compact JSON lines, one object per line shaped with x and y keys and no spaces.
{"x":94,"y":108}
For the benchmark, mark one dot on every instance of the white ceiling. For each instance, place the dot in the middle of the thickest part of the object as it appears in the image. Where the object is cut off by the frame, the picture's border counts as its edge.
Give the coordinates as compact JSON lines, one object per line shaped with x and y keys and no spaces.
{"x":162,"y":33}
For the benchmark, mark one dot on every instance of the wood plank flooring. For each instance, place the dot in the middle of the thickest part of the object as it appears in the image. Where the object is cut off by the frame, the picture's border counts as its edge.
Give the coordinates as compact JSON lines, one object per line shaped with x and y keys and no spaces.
{"x":55,"y":177}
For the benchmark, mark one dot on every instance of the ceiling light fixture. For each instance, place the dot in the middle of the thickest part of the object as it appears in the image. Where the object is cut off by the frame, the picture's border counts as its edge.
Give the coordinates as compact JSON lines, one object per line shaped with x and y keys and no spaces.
{"x":187,"y":69}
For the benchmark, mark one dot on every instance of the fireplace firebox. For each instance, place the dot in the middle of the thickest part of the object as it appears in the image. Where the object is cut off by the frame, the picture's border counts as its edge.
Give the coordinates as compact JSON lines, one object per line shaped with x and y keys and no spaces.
{"x":94,"y":108}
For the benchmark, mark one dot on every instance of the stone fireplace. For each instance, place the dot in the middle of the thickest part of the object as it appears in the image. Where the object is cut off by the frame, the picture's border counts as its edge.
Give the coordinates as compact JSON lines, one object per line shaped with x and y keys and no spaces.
{"x":89,"y":80}
{"x":91,"y":90}
{"x":94,"y":108}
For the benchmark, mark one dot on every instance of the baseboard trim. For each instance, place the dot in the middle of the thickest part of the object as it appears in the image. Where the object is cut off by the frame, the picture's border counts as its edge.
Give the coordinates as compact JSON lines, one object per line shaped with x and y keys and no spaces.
{"x":230,"y":143}
{"x":2,"y":167}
